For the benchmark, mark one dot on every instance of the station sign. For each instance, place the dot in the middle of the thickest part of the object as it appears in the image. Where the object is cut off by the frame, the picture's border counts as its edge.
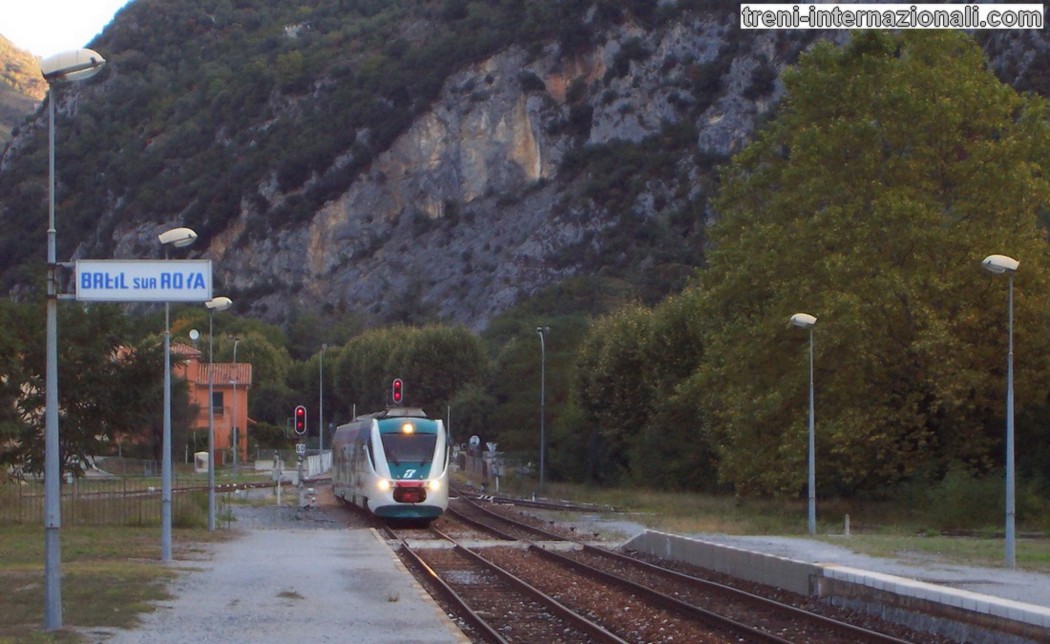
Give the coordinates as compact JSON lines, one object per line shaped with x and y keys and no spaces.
{"x":143,"y":280}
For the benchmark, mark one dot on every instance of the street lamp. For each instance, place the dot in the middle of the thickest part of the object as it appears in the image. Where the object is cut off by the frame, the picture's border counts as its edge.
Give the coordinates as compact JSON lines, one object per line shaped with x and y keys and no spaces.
{"x":233,"y":433}
{"x":79,"y":64}
{"x":806,"y":321}
{"x":542,"y":331}
{"x":213,"y":305}
{"x":1003,"y":264}
{"x":177,"y":237}
{"x":320,"y":407}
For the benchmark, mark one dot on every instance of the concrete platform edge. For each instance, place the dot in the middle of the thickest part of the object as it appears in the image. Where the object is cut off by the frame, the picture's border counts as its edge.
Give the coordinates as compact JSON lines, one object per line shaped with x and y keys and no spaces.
{"x":424,"y":596}
{"x":959,"y":614}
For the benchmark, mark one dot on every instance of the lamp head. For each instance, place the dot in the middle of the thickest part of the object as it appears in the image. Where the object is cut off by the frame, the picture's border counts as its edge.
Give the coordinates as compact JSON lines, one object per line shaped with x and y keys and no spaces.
{"x":1000,"y":264}
{"x":220,"y":303}
{"x":177,"y":237}
{"x":803,"y":320}
{"x":78,"y":64}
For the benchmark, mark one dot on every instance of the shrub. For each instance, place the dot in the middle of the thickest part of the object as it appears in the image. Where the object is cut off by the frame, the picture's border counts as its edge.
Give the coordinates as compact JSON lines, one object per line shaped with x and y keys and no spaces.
{"x":962,"y":501}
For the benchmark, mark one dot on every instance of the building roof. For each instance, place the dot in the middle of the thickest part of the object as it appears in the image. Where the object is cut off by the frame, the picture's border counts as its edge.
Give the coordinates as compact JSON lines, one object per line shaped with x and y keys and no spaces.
{"x":226,"y":373}
{"x":184,"y":350}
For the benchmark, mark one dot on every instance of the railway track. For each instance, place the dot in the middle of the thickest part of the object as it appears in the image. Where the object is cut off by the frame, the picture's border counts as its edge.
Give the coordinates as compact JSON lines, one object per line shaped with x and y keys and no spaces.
{"x":507,"y":580}
{"x":501,"y":606}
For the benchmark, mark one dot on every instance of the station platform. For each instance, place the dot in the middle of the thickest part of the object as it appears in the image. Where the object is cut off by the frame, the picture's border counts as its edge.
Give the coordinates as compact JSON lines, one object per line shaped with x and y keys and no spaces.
{"x":288,"y":585}
{"x":964,"y":604}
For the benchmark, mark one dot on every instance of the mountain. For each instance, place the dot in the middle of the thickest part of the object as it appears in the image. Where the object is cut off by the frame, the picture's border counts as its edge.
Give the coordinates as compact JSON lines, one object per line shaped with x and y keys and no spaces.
{"x":408,"y":160}
{"x":21,"y":87}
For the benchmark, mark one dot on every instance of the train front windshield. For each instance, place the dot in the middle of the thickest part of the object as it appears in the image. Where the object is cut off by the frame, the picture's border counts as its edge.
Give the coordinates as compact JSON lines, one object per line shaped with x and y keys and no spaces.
{"x":402,"y":449}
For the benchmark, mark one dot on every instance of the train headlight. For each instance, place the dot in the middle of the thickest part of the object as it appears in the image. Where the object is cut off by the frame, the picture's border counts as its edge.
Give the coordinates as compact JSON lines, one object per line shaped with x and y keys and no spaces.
{"x":434,"y":485}
{"x":384,"y":485}
{"x":408,"y":428}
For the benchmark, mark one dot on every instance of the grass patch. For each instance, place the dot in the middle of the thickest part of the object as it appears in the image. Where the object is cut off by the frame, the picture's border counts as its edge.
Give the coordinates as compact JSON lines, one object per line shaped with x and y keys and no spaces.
{"x":884,"y":529}
{"x":1032,"y":554}
{"x":110,"y":575}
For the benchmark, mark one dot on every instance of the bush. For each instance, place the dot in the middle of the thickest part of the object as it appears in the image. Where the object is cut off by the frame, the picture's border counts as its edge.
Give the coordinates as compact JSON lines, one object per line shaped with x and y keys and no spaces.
{"x":962,"y":501}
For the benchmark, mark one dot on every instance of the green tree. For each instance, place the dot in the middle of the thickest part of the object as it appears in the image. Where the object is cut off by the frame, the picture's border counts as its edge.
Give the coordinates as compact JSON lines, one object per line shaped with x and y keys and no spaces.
{"x":674,"y":446}
{"x":514,"y":383}
{"x":613,"y":388}
{"x":436,"y":362}
{"x":108,"y":386}
{"x":362,"y":372}
{"x":895,"y":165}
{"x":471,"y":414}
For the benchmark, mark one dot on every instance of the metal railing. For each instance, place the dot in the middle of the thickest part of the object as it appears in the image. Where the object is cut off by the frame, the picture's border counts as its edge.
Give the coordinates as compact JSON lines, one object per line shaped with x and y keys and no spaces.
{"x":117,"y":500}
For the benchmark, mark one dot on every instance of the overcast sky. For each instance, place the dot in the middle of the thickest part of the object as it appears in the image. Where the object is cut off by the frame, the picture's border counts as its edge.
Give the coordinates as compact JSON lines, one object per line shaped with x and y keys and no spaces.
{"x":45,"y":27}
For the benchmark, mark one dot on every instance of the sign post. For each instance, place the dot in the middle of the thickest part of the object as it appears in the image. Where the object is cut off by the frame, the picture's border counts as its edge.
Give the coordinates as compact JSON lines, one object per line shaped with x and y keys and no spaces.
{"x":143,"y":280}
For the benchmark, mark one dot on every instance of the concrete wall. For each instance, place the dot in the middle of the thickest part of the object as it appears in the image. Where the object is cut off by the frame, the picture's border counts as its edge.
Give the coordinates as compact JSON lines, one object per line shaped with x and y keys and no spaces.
{"x":956,"y":614}
{"x":795,"y":576}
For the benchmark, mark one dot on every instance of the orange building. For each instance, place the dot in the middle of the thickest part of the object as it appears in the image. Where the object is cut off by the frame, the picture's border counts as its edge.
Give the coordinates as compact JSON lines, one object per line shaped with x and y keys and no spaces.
{"x":229,"y":385}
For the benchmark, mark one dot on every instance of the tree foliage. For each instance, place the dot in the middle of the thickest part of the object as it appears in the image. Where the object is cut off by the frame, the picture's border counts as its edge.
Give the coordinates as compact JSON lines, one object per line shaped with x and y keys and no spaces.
{"x":626,"y":377}
{"x":108,"y":387}
{"x":434,"y":361}
{"x":895,"y":166}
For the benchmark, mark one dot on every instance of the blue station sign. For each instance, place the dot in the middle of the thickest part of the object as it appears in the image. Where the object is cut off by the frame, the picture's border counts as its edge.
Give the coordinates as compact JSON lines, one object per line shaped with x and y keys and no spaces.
{"x":143,"y":280}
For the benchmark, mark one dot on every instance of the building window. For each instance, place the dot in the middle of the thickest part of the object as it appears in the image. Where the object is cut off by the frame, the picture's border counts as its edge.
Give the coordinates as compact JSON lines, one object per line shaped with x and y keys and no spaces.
{"x":216,"y":402}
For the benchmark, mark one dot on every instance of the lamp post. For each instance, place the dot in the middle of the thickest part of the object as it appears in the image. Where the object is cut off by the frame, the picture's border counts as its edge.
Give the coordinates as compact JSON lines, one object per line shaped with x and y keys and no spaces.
{"x":806,"y":321}
{"x":542,"y":331}
{"x":320,"y":407}
{"x":213,"y":305}
{"x":1003,"y":264}
{"x":233,"y":432}
{"x":75,"y":65}
{"x":177,"y":237}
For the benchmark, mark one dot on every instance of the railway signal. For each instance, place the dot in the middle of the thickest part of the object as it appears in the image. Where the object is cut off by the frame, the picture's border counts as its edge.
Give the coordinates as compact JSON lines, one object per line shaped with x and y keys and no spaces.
{"x":300,"y":420}
{"x":397,"y":391}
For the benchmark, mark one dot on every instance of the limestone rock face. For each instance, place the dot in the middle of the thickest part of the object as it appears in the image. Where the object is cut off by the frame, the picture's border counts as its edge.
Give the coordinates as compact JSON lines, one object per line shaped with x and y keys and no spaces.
{"x":481,"y":201}
{"x":460,"y":216}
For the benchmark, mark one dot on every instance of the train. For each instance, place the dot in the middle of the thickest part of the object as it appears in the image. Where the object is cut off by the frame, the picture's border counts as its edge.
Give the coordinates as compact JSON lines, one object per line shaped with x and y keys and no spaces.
{"x":393,"y":464}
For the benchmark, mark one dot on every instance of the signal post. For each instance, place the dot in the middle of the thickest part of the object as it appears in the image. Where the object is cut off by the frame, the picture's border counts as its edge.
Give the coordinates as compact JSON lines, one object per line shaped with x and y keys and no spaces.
{"x":300,"y":447}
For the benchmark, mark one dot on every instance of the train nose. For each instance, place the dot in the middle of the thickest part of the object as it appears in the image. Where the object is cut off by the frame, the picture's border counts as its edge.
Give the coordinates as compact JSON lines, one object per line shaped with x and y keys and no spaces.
{"x":410,"y":492}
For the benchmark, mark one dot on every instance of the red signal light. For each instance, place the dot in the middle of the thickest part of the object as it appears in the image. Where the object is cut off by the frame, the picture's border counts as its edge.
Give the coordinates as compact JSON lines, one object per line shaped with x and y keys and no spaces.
{"x":397,"y":391}
{"x":300,"y":420}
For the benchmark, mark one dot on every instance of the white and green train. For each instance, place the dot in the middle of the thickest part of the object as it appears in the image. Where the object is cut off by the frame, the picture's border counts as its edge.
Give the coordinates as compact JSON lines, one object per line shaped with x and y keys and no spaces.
{"x":393,"y":463}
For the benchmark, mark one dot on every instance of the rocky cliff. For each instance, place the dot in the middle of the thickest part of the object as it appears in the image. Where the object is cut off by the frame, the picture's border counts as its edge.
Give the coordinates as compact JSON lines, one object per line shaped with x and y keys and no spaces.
{"x":531,"y":165}
{"x":467,"y":212}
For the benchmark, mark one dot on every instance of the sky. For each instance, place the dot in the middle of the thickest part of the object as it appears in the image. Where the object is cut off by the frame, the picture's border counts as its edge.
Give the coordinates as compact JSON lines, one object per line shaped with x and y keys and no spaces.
{"x":45,"y":27}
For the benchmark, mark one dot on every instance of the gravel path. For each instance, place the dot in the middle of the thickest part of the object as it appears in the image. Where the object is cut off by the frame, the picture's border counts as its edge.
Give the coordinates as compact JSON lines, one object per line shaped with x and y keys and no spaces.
{"x":293,"y":575}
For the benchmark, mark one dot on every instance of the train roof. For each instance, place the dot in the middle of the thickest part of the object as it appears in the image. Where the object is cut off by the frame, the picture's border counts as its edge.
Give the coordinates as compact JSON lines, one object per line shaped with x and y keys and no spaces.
{"x":396,"y":412}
